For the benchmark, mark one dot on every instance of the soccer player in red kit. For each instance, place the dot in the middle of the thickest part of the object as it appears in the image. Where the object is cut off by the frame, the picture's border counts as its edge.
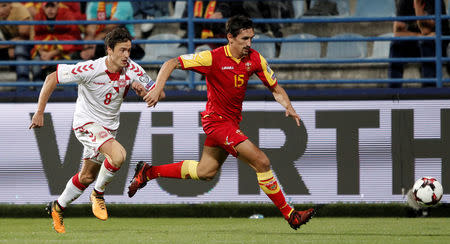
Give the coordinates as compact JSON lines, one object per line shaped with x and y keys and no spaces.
{"x":227,"y":70}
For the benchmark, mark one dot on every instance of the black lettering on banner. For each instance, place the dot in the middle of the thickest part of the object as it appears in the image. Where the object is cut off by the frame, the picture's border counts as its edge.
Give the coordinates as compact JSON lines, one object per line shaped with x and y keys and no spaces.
{"x":282,"y":159}
{"x":57,"y":173}
{"x":126,"y":136}
{"x":162,"y":153}
{"x":347,"y":124}
{"x":405,"y":149}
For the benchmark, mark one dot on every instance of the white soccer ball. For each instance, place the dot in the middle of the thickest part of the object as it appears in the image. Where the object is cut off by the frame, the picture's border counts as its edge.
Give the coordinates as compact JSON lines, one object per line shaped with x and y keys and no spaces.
{"x":427,"y":191}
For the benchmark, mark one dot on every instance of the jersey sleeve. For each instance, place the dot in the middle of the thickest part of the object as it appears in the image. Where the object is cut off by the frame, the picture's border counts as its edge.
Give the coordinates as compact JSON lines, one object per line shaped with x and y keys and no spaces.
{"x":138,"y":74}
{"x":74,"y":73}
{"x":265,"y":73}
{"x":200,"y":62}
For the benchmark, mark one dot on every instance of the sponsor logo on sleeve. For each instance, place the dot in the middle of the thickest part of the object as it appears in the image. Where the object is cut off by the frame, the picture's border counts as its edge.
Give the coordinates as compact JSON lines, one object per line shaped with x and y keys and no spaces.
{"x":144,"y":79}
{"x":188,"y":56}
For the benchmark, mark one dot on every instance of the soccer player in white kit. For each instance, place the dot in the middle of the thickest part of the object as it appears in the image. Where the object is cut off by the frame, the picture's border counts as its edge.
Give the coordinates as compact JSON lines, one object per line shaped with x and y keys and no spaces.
{"x":102,"y":86}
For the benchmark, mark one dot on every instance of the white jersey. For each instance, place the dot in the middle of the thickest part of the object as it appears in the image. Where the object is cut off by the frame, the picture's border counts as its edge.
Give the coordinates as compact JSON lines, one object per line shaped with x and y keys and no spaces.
{"x":100,"y":92}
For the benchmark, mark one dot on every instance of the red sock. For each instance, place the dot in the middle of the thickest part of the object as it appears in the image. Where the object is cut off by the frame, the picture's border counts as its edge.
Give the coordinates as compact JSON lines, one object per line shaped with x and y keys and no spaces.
{"x":279,"y":200}
{"x":76,"y":182}
{"x":167,"y":170}
{"x":269,"y":185}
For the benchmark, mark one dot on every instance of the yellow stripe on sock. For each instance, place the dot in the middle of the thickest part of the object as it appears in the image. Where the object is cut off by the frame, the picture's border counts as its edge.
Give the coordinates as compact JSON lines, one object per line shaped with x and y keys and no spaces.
{"x":189,"y":168}
{"x":267,"y":182}
{"x":264,"y":175}
{"x":184,"y":169}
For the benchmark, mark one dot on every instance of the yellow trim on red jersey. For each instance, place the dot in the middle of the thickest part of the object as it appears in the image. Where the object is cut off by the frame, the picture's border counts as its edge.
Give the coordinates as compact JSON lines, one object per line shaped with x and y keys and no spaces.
{"x":228,"y":54}
{"x":203,"y":58}
{"x":268,"y":72}
{"x":227,"y":51}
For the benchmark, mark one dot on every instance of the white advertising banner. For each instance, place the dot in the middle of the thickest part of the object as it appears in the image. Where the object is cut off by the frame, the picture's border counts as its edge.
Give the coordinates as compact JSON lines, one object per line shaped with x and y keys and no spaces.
{"x":345,"y":151}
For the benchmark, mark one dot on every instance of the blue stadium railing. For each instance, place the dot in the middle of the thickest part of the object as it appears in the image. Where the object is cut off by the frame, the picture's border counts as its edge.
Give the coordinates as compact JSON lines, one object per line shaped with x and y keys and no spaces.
{"x":191,"y":41}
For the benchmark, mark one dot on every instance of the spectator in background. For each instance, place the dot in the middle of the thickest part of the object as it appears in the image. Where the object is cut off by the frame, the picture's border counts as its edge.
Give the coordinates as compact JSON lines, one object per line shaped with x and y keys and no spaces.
{"x":73,"y":7}
{"x":270,"y":9}
{"x":149,"y":10}
{"x":416,"y":48}
{"x":53,"y":11}
{"x":109,"y":10}
{"x":15,"y":12}
{"x":213,"y":10}
{"x":321,"y":8}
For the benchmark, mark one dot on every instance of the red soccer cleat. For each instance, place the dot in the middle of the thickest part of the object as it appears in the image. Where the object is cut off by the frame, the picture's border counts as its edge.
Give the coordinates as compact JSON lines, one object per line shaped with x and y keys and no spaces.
{"x":298,"y":218}
{"x":139,"y":179}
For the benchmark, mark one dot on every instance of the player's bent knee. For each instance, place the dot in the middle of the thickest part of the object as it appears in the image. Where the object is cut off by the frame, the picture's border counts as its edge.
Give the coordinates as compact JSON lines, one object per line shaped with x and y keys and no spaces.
{"x":86,"y":179}
{"x":118,"y":158}
{"x":207,"y":176}
{"x":262,"y":164}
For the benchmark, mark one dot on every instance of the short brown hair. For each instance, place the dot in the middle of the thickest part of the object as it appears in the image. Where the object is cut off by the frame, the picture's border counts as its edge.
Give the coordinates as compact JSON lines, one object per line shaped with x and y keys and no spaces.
{"x":237,"y":23}
{"x":117,"y":35}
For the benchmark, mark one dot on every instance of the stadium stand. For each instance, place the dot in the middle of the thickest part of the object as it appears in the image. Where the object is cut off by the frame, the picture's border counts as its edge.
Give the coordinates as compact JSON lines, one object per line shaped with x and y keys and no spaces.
{"x":381,"y":48}
{"x":178,"y":9}
{"x":347,"y":49}
{"x":267,"y":49}
{"x":163,"y":51}
{"x":379,"y":8}
{"x":343,"y":6}
{"x":295,"y":50}
{"x":299,"y":8}
{"x":286,"y":64}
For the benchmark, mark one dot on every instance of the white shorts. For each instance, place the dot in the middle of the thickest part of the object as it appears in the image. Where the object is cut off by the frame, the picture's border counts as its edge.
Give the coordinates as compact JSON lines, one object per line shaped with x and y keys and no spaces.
{"x":93,"y":136}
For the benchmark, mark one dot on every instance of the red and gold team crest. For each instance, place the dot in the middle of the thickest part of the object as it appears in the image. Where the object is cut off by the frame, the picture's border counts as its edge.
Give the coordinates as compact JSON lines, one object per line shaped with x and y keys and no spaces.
{"x":239,"y":132}
{"x":248,"y":65}
{"x":272,"y":185}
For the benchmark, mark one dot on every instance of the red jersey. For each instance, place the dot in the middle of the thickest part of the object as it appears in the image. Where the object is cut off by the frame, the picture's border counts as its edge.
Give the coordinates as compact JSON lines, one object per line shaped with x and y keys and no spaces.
{"x":227,"y":78}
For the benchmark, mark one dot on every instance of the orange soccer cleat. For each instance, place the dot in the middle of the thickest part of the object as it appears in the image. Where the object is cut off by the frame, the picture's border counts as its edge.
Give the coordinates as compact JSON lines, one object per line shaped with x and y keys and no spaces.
{"x":99,"y":206}
{"x":57,"y":216}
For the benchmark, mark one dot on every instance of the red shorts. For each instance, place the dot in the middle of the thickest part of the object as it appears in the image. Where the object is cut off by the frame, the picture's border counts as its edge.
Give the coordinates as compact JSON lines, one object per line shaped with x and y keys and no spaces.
{"x":222,"y":132}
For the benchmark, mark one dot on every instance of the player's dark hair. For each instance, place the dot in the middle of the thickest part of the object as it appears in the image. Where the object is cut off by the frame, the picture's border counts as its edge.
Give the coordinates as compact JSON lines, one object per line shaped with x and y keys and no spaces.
{"x":238,"y":23}
{"x":117,"y":35}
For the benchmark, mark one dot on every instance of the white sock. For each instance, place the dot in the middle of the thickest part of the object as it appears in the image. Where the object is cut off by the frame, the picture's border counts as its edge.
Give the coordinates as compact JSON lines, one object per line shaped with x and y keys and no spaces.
{"x":106,"y":174}
{"x":70,"y":193}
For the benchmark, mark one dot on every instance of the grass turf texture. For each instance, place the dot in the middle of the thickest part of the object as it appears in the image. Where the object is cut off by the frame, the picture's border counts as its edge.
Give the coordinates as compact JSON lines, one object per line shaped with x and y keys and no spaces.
{"x":227,"y":230}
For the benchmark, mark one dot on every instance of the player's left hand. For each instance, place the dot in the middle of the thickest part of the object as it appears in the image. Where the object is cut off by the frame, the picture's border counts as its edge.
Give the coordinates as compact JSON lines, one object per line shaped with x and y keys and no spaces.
{"x":290,"y":112}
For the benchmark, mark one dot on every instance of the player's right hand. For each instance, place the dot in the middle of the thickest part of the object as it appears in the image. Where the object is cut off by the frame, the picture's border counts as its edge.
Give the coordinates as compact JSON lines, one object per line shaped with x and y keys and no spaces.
{"x":152,"y":98}
{"x":37,"y":121}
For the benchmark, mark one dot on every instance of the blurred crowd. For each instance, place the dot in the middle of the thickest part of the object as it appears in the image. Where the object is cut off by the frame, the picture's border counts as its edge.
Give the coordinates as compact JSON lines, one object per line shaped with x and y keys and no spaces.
{"x":213,"y":9}
{"x":109,"y":10}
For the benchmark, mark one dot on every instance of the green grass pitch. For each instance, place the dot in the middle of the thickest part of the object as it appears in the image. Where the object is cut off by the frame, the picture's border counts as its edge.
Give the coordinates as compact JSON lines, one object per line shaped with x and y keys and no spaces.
{"x":227,"y":230}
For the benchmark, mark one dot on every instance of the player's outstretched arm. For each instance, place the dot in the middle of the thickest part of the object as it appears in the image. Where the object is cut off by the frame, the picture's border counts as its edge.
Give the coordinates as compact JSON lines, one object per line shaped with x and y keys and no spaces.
{"x":282,"y":98}
{"x":47,"y":90}
{"x":141,"y":91}
{"x":164,"y":73}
